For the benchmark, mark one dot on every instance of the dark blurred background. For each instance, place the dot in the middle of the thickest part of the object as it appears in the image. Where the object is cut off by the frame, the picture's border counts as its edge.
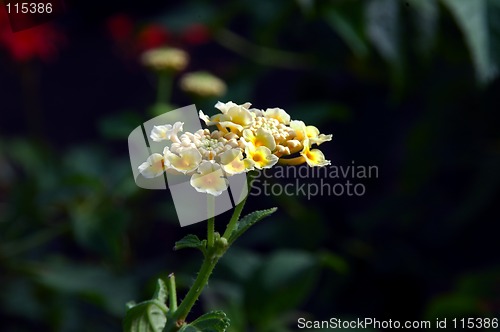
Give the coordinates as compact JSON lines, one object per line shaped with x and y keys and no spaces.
{"x":408,"y":86}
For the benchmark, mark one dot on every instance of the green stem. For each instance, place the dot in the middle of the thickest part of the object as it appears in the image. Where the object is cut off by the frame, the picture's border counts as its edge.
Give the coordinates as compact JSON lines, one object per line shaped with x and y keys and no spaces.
{"x":211,"y":232}
{"x":211,"y":221}
{"x":179,"y":316}
{"x":264,"y":55}
{"x":172,"y":292}
{"x":164,"y":87}
{"x":209,"y":262}
{"x":237,"y":211}
{"x":234,"y":219}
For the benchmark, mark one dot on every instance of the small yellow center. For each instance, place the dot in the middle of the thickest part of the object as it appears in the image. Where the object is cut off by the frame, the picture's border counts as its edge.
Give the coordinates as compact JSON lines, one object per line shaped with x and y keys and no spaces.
{"x":257,"y":157}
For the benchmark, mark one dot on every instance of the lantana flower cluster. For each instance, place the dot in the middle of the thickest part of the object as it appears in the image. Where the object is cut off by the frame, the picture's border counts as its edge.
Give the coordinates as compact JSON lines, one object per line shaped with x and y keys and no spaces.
{"x":245,"y":139}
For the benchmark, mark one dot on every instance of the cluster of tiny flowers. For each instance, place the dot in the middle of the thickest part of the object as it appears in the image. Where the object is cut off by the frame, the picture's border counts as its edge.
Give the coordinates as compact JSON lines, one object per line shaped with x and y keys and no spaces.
{"x":245,"y":139}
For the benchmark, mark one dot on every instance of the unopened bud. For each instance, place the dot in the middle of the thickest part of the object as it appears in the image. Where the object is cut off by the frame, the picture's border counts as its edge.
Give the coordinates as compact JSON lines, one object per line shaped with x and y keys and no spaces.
{"x":203,"y":84}
{"x":165,"y":58}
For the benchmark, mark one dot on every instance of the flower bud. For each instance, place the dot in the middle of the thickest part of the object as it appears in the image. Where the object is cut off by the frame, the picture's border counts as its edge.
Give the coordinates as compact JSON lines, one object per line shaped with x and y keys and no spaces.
{"x":294,"y":144}
{"x":203,"y":84}
{"x":165,"y":58}
{"x":282,"y":150}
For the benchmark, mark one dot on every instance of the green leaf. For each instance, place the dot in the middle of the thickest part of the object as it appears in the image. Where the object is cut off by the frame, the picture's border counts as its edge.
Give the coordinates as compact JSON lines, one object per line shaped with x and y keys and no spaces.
{"x":160,"y":292}
{"x":283,"y":283}
{"x":334,"y":262}
{"x":346,"y":19}
{"x":190,"y":241}
{"x":384,"y":28}
{"x":240,"y":263}
{"x":471,"y":17}
{"x":306,"y":6}
{"x":19,"y":298}
{"x":148,"y":316}
{"x":494,"y":30}
{"x":247,"y":221}
{"x":214,"y":321}
{"x":473,"y":295}
{"x":98,"y":285}
{"x":425,"y":15}
{"x":119,"y":126}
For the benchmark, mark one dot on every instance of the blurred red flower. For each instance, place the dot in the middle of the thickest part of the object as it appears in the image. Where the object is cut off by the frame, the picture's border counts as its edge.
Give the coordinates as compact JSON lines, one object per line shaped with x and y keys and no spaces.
{"x":40,"y":42}
{"x":196,"y":34}
{"x":120,"y":27}
{"x":152,"y":36}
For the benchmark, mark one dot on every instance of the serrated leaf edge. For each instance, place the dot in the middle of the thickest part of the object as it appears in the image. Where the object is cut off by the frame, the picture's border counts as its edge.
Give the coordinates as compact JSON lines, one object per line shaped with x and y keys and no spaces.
{"x":257,"y":215}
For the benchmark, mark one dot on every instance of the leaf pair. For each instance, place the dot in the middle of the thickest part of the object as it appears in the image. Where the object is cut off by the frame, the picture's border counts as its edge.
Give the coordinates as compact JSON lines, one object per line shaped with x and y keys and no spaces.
{"x":192,"y":241}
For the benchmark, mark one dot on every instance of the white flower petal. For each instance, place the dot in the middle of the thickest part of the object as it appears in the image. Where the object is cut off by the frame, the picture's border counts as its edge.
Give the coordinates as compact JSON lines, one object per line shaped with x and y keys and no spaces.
{"x":299,"y":128}
{"x":153,"y":166}
{"x":187,"y":160}
{"x":232,"y":162}
{"x":231,"y":125}
{"x":278,"y":114}
{"x":261,"y":156}
{"x":314,"y":157}
{"x":205,"y":118}
{"x":224,"y":107}
{"x":210,"y":180}
{"x":159,"y":133}
{"x":321,"y":139}
{"x":166,"y":132}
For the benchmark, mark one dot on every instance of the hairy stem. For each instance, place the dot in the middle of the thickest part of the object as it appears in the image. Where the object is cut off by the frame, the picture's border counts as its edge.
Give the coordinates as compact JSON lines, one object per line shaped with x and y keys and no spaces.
{"x":237,"y":211}
{"x":214,"y":253}
{"x":211,"y":221}
{"x":172,"y":292}
{"x":179,"y":316}
{"x":234,"y":219}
